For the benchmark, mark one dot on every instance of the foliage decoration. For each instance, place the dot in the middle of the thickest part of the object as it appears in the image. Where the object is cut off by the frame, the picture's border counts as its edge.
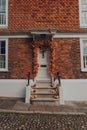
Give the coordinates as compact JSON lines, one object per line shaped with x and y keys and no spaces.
{"x":44,"y":45}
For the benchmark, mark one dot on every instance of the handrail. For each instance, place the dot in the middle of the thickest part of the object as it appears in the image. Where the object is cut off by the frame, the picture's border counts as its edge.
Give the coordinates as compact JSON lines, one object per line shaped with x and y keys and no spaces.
{"x":59,"y":78}
{"x":28,"y":78}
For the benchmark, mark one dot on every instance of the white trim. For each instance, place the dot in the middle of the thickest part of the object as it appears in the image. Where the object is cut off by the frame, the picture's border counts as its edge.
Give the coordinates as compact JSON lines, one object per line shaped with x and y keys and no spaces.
{"x":15,"y":36}
{"x":6,"y":25}
{"x":81,"y":54}
{"x":6,"y":12}
{"x":56,"y":36}
{"x":80,"y":12}
{"x":80,"y":16}
{"x":6,"y":69}
{"x":6,"y":55}
{"x":70,"y":35}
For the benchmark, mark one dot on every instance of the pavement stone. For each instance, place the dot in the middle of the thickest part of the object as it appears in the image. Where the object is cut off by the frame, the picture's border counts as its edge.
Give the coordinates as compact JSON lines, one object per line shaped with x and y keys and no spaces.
{"x":20,"y":106}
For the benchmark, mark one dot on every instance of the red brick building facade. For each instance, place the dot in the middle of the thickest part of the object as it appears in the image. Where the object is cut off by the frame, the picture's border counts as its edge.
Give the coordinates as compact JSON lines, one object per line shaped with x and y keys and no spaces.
{"x":62,"y":15}
{"x":25,"y":15}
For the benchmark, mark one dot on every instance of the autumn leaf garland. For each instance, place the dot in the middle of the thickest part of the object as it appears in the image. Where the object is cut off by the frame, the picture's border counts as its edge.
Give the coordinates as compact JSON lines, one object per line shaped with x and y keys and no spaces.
{"x":52,"y":48}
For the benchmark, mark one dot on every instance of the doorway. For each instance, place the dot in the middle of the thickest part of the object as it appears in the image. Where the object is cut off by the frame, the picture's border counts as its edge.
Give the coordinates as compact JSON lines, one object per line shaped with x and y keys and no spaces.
{"x":43,"y":62}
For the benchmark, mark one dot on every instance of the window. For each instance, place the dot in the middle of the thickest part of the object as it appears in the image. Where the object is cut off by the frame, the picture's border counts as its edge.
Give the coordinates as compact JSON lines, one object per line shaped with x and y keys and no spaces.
{"x":3,"y":12}
{"x":83,"y":13}
{"x":83,"y":48}
{"x":3,"y":55}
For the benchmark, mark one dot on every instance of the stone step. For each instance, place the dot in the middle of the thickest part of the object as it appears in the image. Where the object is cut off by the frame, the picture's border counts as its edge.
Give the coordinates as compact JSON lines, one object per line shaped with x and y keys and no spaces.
{"x":43,"y":94}
{"x":44,"y":87}
{"x":46,"y":90}
{"x":47,"y":102}
{"x":44,"y":100}
{"x":43,"y":80}
{"x":43,"y":84}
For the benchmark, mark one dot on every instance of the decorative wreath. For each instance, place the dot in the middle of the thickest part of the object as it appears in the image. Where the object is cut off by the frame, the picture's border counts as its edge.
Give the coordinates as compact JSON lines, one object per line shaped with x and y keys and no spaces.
{"x":44,"y":45}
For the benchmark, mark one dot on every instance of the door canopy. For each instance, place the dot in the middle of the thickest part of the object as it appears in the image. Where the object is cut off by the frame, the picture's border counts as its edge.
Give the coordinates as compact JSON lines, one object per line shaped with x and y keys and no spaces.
{"x":44,"y":41}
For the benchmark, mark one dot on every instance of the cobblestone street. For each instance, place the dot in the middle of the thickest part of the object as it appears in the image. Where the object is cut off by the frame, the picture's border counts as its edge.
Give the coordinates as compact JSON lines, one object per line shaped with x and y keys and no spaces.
{"x":36,"y":121}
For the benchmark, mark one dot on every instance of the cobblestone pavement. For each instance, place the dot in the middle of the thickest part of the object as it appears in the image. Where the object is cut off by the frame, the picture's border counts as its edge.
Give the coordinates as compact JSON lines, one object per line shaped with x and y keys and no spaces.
{"x":36,"y":121}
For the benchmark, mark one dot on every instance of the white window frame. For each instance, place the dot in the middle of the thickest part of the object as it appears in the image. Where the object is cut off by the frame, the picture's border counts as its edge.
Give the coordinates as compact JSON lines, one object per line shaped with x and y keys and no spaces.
{"x":6,"y":61}
{"x":80,"y":16}
{"x":5,"y":25}
{"x":81,"y":54}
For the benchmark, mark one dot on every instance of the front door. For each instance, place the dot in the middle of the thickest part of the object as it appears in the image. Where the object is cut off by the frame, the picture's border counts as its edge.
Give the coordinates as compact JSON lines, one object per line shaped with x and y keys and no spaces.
{"x":43,"y":61}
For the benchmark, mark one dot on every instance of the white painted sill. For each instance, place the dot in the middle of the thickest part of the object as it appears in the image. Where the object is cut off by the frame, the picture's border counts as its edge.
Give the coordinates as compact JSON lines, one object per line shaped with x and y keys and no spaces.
{"x":83,"y":26}
{"x":3,"y":26}
{"x":84,"y":70}
{"x":3,"y":70}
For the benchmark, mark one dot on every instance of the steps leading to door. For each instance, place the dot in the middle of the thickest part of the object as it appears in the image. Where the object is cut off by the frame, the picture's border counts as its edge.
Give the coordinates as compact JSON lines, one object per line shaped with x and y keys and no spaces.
{"x":43,"y":92}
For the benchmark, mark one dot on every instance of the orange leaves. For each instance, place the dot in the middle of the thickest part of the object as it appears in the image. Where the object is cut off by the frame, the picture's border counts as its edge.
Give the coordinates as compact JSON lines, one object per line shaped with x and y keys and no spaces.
{"x":35,"y":62}
{"x":51,"y":45}
{"x":52,"y":58}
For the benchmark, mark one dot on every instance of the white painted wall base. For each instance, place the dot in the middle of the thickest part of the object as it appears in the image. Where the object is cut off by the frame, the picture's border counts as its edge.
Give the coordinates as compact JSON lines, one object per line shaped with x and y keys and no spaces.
{"x":70,"y":90}
{"x":61,"y":100}
{"x":27,"y":94}
{"x":74,"y":90}
{"x":12,"y":88}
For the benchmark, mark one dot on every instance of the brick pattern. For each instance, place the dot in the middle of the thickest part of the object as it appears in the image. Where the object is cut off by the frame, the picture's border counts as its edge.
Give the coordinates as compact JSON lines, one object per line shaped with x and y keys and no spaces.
{"x":60,"y":14}
{"x":27,"y":14}
{"x":68,"y":62}
{"x":19,"y":59}
{"x":67,"y":59}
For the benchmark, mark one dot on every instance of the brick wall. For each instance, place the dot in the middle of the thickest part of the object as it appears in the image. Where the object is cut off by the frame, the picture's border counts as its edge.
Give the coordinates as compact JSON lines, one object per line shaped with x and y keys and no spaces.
{"x":67,"y":61}
{"x":19,"y":59}
{"x":60,"y":14}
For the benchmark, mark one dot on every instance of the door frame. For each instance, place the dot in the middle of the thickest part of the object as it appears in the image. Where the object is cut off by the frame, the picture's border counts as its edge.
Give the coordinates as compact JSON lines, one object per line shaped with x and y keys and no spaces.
{"x":48,"y":61}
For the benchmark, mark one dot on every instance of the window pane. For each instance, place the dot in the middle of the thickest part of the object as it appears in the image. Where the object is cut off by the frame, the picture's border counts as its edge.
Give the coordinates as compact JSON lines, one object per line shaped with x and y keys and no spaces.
{"x":85,"y":50}
{"x":2,"y":47}
{"x":3,"y":4}
{"x":84,"y":2}
{"x":85,"y":61}
{"x":2,"y":54}
{"x":2,"y":58}
{"x":0,"y":5}
{"x":2,"y":50}
{"x":84,"y":17}
{"x":3,"y":12}
{"x":2,"y":64}
{"x":2,"y":61}
{"x":2,"y":18}
{"x":3,"y":44}
{"x":84,"y":7}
